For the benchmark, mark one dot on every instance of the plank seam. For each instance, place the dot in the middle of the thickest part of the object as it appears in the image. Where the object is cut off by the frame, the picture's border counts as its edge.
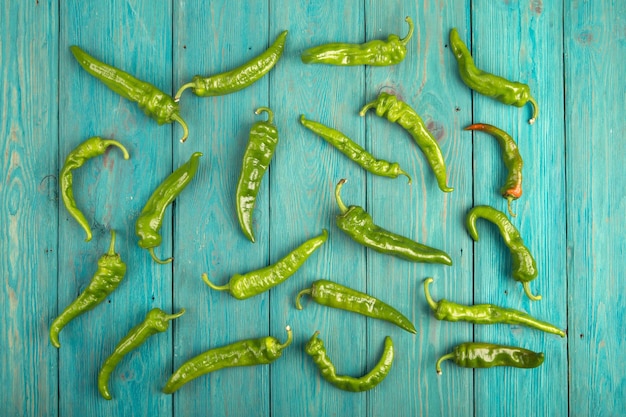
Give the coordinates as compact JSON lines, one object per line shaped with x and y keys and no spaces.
{"x":565,"y":165}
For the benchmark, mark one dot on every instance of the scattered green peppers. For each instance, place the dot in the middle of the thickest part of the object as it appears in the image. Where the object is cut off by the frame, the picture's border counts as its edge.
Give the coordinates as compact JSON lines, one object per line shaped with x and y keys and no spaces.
{"x":92,"y":147}
{"x":487,"y":355}
{"x":354,"y":151}
{"x":156,"y":321}
{"x":315,"y":348}
{"x":396,"y":111}
{"x":262,"y":142}
{"x":485,"y":314}
{"x":251,"y":352}
{"x":512,"y":188}
{"x":524,"y":268}
{"x":110,"y":272}
{"x":335,"y":295}
{"x":256,"y":282}
{"x":359,"y":225}
{"x":374,"y":53}
{"x":154,"y":102}
{"x":150,"y":219}
{"x":490,"y":85}
{"x":238,"y":78}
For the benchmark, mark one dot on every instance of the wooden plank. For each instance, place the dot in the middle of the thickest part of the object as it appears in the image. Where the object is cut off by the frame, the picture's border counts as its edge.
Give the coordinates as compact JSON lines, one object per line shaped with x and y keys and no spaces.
{"x":595,"y":127}
{"x":529,"y":51}
{"x":210,"y":38}
{"x":425,"y":81}
{"x":303,"y":178}
{"x":28,"y":230}
{"x":136,"y":37}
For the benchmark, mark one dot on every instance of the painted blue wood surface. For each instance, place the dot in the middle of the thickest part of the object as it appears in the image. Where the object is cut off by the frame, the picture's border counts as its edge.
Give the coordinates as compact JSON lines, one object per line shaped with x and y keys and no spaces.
{"x":570,"y":215}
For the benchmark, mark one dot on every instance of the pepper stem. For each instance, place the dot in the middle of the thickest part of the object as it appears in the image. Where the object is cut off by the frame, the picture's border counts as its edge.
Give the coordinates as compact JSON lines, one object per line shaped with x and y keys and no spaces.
{"x":157,"y":260}
{"x":111,"y":251}
{"x":406,"y":39}
{"x":407,"y":175}
{"x":181,"y":89}
{"x":169,"y":317}
{"x":535,"y":111}
{"x":289,"y":338}
{"x":179,"y":119}
{"x":270,"y":113}
{"x":111,"y":142}
{"x":509,"y":200}
{"x":526,"y":286}
{"x":342,"y":206}
{"x":432,"y":303}
{"x":300,"y":294}
{"x":441,"y":359}
{"x":205,"y":278}
{"x":365,"y":108}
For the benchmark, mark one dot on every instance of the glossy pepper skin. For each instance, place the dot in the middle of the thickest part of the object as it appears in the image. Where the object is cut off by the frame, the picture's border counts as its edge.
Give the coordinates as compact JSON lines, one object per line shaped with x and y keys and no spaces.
{"x":490,"y":85}
{"x":354,"y":151}
{"x":156,"y":321}
{"x":374,"y":53}
{"x":488,"y":355}
{"x":335,"y":295}
{"x":485,"y":314}
{"x":512,"y":187}
{"x":250,"y":352}
{"x":524,"y":267}
{"x":359,"y":225}
{"x":396,"y":111}
{"x":237,"y":78}
{"x":150,"y":219}
{"x":154,"y":102}
{"x":256,"y":282}
{"x":316,"y":350}
{"x":90,"y":148}
{"x":110,"y":272}
{"x":262,"y":142}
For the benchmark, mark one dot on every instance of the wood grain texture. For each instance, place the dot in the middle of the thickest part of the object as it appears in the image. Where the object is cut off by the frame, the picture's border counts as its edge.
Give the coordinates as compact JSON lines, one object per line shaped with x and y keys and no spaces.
{"x":595,"y":49}
{"x":570,"y":214}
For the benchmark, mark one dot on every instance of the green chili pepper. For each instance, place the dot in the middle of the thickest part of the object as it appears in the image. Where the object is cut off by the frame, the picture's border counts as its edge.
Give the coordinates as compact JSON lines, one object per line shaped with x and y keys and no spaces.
{"x":250,"y":352}
{"x":374,"y":53}
{"x":315,"y":349}
{"x":110,"y":272}
{"x":359,"y":225}
{"x":256,"y":159}
{"x":255,"y":282}
{"x":154,"y":102}
{"x":488,"y":355}
{"x":92,"y":147}
{"x":240,"y":77}
{"x":156,"y":321}
{"x":150,"y":219}
{"x":485,"y":314}
{"x":396,"y":111}
{"x":334,"y":295}
{"x":354,"y":151}
{"x":512,"y":188}
{"x":490,"y":85}
{"x":524,"y":268}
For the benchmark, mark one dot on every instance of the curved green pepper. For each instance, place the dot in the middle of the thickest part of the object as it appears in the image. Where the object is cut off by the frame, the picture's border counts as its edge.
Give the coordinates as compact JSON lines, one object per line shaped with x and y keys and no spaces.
{"x":251,"y":352}
{"x":490,"y":85}
{"x":256,"y":282}
{"x":374,"y":53}
{"x":359,"y":225}
{"x":262,"y":142}
{"x":488,"y":355}
{"x":156,"y":321}
{"x":524,"y":267}
{"x":315,"y":349}
{"x":154,"y":102}
{"x":110,"y":272}
{"x":150,"y":219}
{"x":92,"y":147}
{"x":240,"y":77}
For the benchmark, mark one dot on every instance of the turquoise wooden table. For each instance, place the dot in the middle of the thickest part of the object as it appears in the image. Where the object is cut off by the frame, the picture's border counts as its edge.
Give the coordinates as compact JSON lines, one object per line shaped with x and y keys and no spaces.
{"x":571,"y":214}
